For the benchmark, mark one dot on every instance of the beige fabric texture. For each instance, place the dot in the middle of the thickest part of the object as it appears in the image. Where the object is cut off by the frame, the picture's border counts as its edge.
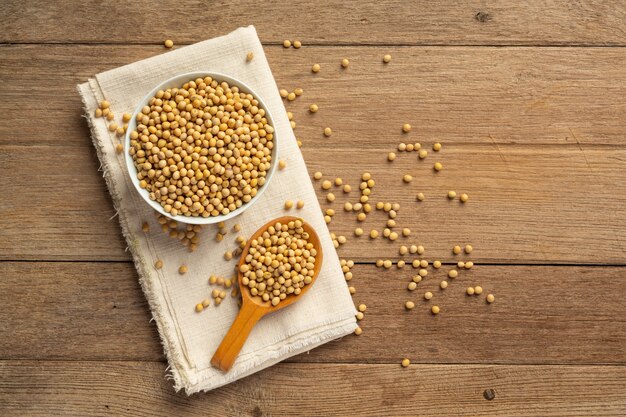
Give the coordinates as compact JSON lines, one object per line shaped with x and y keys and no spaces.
{"x":324,"y":313}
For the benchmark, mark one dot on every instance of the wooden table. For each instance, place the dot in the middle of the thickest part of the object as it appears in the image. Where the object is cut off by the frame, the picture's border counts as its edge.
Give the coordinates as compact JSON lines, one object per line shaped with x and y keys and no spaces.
{"x":528,"y":100}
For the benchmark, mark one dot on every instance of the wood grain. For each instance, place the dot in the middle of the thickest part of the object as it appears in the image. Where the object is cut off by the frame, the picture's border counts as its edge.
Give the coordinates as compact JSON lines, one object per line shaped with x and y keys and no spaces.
{"x":139,"y":388}
{"x":542,"y":315}
{"x":549,"y":204}
{"x":535,"y":22}
{"x":472,"y":95}
{"x":539,"y":205}
{"x":61,"y":309}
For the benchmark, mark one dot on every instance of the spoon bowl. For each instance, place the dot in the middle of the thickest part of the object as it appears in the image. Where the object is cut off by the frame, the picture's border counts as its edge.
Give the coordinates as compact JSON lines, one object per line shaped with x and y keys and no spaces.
{"x":253,"y":308}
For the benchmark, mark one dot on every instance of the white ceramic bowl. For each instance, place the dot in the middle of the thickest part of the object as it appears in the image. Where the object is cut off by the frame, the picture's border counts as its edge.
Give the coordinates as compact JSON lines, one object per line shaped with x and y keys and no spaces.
{"x":178,"y":81}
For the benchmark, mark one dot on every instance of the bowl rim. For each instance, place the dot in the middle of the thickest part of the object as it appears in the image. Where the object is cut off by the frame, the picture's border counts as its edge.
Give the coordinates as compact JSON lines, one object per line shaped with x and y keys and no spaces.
{"x":179,"y":80}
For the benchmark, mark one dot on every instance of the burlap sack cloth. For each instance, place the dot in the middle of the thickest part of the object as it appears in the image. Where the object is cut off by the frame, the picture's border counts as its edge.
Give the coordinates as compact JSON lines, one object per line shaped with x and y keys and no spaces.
{"x":189,"y":339}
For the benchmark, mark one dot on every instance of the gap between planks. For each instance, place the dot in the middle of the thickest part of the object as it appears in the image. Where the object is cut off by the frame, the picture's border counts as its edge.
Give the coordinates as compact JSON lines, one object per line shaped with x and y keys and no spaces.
{"x":488,"y":264}
{"x":343,"y":44}
{"x":314,"y":363}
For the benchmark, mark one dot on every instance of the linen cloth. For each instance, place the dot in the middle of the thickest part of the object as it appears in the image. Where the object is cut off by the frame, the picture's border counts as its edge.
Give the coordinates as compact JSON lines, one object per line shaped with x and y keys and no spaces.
{"x":324,"y":313}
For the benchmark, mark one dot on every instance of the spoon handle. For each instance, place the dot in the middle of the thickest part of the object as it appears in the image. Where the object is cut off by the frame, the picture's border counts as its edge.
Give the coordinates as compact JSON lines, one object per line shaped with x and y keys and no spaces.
{"x":234,"y":340}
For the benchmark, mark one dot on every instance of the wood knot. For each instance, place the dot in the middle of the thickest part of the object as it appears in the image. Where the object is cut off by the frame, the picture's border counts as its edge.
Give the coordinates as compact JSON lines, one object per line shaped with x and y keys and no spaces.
{"x":489,"y":394}
{"x":482,"y":17}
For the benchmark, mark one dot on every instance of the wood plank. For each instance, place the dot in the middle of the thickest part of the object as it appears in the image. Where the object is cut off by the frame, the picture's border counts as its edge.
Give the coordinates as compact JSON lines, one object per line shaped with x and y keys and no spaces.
{"x":139,"y":388}
{"x":542,"y":315}
{"x":535,"y":22}
{"x":61,"y":309}
{"x":58,"y":225}
{"x":528,"y":205}
{"x":552,"y":204}
{"x":460,"y":95}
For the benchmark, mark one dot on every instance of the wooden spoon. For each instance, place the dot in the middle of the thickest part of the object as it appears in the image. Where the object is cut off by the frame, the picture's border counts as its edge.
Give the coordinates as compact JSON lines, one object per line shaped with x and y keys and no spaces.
{"x":253,"y":307}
